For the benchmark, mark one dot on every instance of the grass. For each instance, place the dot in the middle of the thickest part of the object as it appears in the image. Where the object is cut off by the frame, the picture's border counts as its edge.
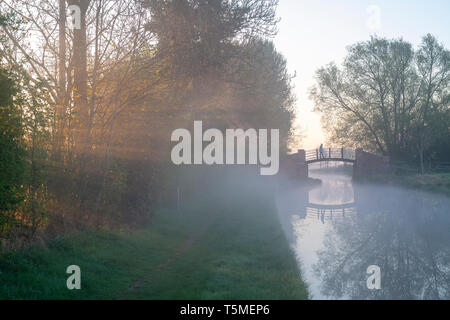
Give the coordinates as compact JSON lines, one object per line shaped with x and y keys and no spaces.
{"x":434,"y":182}
{"x":220,"y":247}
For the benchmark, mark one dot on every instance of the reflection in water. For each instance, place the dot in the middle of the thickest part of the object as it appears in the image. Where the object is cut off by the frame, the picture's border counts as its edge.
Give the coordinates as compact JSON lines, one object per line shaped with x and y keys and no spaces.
{"x":406,"y":233}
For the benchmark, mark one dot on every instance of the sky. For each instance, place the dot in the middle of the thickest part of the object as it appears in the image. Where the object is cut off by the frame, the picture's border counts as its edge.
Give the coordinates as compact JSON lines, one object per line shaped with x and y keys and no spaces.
{"x":313,"y":33}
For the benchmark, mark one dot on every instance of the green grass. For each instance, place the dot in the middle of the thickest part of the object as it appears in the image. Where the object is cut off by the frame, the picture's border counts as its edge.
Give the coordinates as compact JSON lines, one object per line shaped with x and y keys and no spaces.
{"x":220,"y":248}
{"x":434,"y":182}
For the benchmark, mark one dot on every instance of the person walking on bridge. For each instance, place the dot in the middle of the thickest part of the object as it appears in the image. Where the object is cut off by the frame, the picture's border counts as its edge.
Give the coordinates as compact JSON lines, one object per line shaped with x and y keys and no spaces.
{"x":321,"y":151}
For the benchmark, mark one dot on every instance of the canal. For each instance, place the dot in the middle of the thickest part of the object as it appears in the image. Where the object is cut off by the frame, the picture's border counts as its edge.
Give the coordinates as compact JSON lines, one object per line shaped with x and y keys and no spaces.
{"x":338,"y":229}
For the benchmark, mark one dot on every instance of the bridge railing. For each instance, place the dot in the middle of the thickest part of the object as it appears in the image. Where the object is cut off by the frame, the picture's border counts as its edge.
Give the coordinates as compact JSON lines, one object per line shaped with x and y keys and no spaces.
{"x":330,"y":153}
{"x":330,"y":214}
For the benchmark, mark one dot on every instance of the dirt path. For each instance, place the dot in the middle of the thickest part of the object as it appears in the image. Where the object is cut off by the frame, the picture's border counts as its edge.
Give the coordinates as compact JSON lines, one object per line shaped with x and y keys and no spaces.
{"x":185,"y":246}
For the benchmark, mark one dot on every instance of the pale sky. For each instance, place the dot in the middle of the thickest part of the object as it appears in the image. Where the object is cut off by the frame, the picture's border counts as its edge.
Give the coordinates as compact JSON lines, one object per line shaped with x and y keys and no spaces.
{"x":313,"y":33}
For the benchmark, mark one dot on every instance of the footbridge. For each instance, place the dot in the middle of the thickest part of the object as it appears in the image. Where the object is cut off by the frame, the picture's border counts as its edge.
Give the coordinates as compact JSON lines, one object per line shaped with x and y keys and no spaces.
{"x":330,"y":154}
{"x":364,"y":163}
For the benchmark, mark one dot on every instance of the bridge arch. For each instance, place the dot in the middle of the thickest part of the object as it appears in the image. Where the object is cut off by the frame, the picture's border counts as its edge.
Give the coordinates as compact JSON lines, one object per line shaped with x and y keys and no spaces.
{"x":330,"y":154}
{"x":296,"y":165}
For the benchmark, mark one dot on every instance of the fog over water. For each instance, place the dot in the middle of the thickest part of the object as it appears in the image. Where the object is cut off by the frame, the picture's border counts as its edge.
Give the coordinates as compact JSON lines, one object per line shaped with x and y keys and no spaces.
{"x":340,"y":228}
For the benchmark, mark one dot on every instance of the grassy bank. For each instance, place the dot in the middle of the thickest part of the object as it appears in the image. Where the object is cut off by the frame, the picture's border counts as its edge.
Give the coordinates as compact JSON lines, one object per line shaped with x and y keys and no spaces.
{"x":220,"y":247}
{"x":434,"y":182}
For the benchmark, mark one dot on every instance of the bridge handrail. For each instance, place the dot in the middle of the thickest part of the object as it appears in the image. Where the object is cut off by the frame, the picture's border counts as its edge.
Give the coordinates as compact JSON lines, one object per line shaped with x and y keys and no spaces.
{"x":330,"y":153}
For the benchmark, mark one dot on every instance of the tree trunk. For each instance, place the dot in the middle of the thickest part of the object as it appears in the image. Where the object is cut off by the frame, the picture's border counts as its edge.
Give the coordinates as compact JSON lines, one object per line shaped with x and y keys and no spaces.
{"x":60,"y":112}
{"x":62,"y":49}
{"x":80,"y":79}
{"x":420,"y":150}
{"x":80,"y":122}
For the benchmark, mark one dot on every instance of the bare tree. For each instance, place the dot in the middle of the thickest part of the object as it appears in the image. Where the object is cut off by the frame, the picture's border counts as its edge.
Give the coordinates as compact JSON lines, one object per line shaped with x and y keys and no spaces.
{"x":384,"y":95}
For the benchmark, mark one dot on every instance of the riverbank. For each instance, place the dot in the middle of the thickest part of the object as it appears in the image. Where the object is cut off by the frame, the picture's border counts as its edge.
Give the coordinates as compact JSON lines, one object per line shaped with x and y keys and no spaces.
{"x":222,"y":246}
{"x":433,"y":182}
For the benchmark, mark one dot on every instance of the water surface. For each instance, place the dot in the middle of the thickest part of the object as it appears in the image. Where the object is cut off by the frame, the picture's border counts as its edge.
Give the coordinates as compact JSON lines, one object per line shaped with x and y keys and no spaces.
{"x":340,"y":228}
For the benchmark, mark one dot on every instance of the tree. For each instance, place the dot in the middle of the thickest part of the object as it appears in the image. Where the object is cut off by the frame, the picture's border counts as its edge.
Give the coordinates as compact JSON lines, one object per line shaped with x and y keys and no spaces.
{"x":99,"y":102}
{"x":80,"y":80}
{"x":12,"y":153}
{"x":196,"y":37}
{"x":383,"y":96}
{"x":433,"y":64}
{"x":263,"y":96}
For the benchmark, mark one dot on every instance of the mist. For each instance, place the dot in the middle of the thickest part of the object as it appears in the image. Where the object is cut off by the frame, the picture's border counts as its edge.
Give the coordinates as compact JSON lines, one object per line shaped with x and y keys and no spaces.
{"x":403,"y":231}
{"x":156,"y":150}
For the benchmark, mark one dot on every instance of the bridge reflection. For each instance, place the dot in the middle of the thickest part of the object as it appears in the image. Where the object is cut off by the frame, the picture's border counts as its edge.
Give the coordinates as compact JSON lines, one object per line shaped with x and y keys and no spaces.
{"x":403,"y":231}
{"x":329,"y":211}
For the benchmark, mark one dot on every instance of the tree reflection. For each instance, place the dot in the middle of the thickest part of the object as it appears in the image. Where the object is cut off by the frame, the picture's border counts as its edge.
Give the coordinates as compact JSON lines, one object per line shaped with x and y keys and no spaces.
{"x":405,"y":233}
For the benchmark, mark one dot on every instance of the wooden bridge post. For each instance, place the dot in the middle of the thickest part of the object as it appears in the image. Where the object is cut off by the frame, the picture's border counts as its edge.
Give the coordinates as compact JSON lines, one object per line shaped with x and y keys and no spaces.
{"x":294,"y":166}
{"x":329,"y":153}
{"x":317,"y":154}
{"x":302,"y":166}
{"x":367,"y":163}
{"x":342,"y":153}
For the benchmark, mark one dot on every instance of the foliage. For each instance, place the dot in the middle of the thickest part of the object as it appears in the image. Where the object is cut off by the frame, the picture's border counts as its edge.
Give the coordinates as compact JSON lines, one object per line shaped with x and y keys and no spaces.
{"x":255,"y":263}
{"x":11,"y":146}
{"x":91,"y":119}
{"x":388,"y":97}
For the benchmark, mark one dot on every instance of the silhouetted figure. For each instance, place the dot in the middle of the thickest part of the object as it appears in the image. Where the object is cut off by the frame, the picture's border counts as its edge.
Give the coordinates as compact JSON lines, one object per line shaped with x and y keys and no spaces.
{"x":321,"y":151}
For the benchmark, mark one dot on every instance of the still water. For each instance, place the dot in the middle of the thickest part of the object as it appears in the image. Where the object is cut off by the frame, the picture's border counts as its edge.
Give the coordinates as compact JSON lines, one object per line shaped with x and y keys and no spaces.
{"x":338,"y":229}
